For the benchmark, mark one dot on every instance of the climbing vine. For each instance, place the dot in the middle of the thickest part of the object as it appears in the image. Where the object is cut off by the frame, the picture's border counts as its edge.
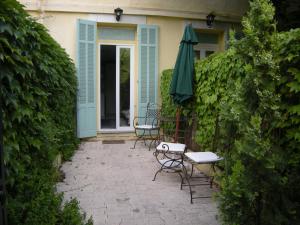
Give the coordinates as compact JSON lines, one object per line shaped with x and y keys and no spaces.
{"x":247,"y":102}
{"x":168,"y":107}
{"x":38,"y":89}
{"x":211,"y":94}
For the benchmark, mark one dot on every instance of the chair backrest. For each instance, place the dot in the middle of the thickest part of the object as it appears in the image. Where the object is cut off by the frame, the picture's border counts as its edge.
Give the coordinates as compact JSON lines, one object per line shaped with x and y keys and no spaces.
{"x":152,"y":114}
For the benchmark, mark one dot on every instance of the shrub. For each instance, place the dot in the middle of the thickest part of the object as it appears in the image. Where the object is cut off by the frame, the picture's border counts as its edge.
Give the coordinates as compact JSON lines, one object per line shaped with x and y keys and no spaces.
{"x":260,"y":185}
{"x":71,"y":215}
{"x":168,"y":108}
{"x":247,"y":102}
{"x":211,"y":95}
{"x":38,"y":89}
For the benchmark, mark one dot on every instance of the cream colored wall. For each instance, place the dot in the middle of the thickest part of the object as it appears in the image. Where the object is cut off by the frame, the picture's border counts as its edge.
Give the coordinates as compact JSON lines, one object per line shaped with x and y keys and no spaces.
{"x":226,"y":10}
{"x":62,"y":27}
{"x":170,"y":34}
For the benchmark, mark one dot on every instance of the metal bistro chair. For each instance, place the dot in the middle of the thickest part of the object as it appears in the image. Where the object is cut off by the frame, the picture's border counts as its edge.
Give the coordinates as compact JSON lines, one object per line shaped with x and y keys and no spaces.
{"x":168,"y":154}
{"x":170,"y":158}
{"x":147,"y":127}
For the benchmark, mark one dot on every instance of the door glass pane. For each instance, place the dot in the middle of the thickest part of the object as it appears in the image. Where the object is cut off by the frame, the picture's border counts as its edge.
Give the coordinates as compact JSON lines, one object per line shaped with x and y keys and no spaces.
{"x":124,"y":87}
{"x":108,"y":86}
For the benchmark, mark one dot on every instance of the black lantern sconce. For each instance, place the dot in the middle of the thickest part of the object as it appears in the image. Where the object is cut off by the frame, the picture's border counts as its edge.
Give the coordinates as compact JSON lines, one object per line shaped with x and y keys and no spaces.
{"x":118,"y":12}
{"x":210,"y":19}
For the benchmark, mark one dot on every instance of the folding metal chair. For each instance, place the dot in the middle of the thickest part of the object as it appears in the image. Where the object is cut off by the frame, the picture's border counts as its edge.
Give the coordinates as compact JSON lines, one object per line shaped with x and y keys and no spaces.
{"x":170,"y":158}
{"x":147,"y":127}
{"x":168,"y":154}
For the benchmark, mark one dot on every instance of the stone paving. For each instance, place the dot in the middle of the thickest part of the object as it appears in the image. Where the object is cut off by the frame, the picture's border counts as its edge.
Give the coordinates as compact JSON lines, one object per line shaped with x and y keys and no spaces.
{"x":113,"y":184}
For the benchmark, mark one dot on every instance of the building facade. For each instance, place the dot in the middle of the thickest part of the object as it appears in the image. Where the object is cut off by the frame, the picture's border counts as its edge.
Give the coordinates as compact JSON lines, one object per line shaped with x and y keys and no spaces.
{"x":119,"y":59}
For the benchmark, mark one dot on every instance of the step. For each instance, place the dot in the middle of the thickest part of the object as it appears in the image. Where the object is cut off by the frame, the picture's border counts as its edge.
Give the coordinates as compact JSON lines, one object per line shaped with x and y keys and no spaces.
{"x":126,"y":136}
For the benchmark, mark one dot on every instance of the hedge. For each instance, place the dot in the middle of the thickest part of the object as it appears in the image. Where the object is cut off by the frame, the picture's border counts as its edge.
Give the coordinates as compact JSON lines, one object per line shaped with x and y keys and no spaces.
{"x":264,"y":156}
{"x":38,"y":91}
{"x":247,"y":102}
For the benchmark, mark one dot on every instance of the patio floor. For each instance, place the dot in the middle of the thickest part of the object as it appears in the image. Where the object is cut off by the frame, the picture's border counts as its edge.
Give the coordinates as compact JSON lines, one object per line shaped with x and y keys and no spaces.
{"x":113,"y":183}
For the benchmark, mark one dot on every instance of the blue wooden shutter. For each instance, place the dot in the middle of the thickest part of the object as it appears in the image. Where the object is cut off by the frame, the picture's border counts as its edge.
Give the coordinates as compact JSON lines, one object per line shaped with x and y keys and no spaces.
{"x":148,"y":66}
{"x":86,"y":73}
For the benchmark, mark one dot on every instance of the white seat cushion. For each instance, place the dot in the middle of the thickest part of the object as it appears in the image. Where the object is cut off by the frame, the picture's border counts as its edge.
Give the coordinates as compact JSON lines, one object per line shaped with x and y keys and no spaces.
{"x":146,"y":127}
{"x":172,"y":147}
{"x":203,"y":157}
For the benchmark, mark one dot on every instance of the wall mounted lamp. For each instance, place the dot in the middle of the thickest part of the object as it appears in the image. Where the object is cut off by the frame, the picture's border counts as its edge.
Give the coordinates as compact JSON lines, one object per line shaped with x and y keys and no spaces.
{"x":118,"y":13}
{"x":210,"y":19}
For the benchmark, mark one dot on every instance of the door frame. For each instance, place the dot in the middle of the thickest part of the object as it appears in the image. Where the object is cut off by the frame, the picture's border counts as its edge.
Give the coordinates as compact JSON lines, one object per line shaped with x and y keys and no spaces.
{"x":202,"y":48}
{"x":118,"y":128}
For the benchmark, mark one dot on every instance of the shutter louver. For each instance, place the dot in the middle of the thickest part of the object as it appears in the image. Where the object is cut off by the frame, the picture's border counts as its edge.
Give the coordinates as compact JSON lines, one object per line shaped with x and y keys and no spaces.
{"x":86,"y":73}
{"x":148,"y":65}
{"x":81,"y":74}
{"x":91,"y":71}
{"x":152,"y":76}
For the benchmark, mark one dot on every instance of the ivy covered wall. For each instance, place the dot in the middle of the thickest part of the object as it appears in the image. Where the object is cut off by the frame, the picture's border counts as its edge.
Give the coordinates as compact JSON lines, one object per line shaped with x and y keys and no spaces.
{"x":247,"y":102}
{"x":38,"y":96}
{"x":261,"y":125}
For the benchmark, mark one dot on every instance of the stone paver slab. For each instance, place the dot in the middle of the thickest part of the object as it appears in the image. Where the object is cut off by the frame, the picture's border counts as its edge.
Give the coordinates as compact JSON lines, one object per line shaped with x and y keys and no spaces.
{"x":113,"y":184}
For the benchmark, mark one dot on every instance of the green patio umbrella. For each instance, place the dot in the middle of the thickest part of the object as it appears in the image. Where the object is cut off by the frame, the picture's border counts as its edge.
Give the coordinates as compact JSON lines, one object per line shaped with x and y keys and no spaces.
{"x":181,"y":87}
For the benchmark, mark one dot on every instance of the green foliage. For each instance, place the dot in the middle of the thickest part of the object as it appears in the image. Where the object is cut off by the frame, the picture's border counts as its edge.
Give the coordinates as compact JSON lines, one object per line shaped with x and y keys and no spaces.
{"x":235,"y":189}
{"x":264,"y":112}
{"x":212,"y":95}
{"x":247,"y":101}
{"x":71,"y":215}
{"x":38,"y":89}
{"x":168,"y":108}
{"x":289,"y":62}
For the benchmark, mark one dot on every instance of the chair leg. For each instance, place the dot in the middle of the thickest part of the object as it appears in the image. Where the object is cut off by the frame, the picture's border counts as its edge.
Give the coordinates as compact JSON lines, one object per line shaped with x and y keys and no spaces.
{"x":181,"y":178}
{"x":158,"y":171}
{"x":143,"y":136}
{"x":153,"y":138}
{"x":192,"y":170}
{"x":213,"y":176}
{"x":138,"y":138}
{"x":151,"y":142}
{"x":188,"y":182}
{"x":150,"y":145}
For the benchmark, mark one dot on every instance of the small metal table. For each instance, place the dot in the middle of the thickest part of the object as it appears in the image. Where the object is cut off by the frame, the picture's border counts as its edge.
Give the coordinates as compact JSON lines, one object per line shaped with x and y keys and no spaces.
{"x":196,"y":158}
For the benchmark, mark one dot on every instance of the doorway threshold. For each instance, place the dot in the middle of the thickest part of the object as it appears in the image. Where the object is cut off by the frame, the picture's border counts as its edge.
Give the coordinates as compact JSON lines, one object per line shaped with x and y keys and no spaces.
{"x":116,"y":135}
{"x":108,"y":131}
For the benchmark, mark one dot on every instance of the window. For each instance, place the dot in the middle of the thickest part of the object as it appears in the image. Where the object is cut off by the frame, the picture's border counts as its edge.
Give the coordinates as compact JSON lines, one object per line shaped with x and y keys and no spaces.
{"x":209,"y":43}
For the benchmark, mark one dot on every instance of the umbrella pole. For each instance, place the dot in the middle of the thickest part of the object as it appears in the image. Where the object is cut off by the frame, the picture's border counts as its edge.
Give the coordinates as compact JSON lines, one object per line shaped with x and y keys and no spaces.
{"x":177,"y":124}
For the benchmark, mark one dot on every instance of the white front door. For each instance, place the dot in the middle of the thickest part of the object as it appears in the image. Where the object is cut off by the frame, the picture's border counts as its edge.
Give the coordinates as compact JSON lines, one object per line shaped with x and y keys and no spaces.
{"x":116,"y":88}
